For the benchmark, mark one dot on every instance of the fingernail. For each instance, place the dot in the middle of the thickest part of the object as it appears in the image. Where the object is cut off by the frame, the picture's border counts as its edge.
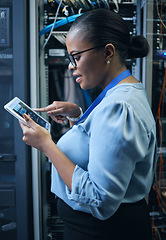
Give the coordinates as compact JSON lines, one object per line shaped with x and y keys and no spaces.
{"x":25,"y":116}
{"x":49,"y":113}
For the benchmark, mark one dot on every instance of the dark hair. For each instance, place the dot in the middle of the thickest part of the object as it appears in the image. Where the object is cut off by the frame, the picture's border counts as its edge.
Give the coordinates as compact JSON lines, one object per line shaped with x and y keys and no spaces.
{"x":102,"y":26}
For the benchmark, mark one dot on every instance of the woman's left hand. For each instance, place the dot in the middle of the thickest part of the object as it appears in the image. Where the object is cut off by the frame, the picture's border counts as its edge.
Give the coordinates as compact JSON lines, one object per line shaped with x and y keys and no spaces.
{"x":35,"y":135}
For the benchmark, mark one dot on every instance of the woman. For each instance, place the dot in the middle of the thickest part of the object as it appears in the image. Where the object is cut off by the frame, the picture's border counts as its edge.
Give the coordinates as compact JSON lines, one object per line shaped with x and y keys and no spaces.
{"x":103,"y":166}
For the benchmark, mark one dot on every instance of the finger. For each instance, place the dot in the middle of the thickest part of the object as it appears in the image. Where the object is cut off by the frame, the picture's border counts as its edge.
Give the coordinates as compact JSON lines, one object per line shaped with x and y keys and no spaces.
{"x":45,"y":109}
{"x":40,"y":109}
{"x":29,"y":121}
{"x":63,"y":122}
{"x":22,"y":125}
{"x":56,"y":112}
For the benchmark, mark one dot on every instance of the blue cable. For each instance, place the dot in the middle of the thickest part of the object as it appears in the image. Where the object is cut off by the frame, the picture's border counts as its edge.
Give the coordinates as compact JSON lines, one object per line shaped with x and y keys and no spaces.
{"x":59,"y":24}
{"x":58,"y":3}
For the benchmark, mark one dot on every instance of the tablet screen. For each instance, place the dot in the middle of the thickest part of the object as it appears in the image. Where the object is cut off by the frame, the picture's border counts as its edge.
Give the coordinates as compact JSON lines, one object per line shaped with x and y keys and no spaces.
{"x":20,"y":109}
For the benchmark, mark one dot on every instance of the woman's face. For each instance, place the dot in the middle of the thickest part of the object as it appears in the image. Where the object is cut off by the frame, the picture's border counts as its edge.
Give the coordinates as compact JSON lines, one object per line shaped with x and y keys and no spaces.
{"x":91,"y":69}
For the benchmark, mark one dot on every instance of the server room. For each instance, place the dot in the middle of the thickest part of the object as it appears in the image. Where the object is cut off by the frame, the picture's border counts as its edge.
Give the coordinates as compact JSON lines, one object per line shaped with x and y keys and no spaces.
{"x":90,"y":74}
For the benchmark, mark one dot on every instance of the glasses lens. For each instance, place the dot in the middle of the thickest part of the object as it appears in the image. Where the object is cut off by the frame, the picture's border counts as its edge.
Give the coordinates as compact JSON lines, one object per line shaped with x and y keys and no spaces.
{"x":72,"y":60}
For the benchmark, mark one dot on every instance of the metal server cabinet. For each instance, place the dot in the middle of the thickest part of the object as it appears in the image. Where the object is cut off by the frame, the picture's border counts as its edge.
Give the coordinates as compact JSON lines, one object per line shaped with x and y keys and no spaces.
{"x":154,"y":16}
{"x":46,"y":65}
{"x":15,"y":161}
{"x":148,"y":19}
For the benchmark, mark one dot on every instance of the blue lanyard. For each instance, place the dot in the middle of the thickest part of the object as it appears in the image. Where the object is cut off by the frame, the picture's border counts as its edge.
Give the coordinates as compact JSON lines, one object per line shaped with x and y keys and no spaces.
{"x":113,"y":83}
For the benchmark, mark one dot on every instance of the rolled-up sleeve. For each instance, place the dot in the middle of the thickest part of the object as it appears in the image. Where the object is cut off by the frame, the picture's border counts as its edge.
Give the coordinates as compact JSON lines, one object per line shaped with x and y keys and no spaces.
{"x":118,"y":142}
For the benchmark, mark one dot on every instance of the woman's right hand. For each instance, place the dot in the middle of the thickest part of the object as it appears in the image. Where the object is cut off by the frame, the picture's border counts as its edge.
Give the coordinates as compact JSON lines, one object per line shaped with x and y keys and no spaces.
{"x":58,"y":110}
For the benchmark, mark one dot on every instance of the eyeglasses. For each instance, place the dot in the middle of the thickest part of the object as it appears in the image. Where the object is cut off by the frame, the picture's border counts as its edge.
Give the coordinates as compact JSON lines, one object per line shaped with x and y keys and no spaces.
{"x":72,"y":59}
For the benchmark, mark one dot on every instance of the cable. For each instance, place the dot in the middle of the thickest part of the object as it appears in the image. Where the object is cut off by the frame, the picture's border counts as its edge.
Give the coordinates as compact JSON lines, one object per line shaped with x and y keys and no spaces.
{"x":85,"y":5}
{"x":91,"y":4}
{"x":52,"y":25}
{"x":98,"y":2}
{"x":157,"y":233}
{"x":117,"y":6}
{"x":161,"y":162}
{"x":159,"y":173}
{"x":58,"y":1}
{"x":106,"y":4}
{"x":157,"y":7}
{"x":59,"y":24}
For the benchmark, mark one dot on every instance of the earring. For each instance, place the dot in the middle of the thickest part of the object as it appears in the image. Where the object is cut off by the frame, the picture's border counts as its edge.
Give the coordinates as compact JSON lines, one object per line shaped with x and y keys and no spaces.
{"x":108,"y":62}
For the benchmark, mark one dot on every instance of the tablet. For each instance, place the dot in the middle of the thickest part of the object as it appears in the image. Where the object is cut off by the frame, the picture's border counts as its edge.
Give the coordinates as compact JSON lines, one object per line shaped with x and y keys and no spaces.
{"x":17,"y":108}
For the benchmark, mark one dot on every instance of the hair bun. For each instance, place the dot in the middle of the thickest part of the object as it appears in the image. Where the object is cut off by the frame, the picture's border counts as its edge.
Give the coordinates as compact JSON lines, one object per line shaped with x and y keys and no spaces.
{"x":139,"y":47}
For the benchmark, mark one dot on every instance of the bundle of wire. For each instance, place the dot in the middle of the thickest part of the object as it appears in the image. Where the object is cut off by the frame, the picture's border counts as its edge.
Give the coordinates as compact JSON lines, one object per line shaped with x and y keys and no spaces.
{"x":86,"y":4}
{"x":159,"y":180}
{"x":58,"y":24}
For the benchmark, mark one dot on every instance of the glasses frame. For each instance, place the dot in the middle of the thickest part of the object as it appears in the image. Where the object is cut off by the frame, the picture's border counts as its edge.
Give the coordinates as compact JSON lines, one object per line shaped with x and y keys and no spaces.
{"x":72,"y":59}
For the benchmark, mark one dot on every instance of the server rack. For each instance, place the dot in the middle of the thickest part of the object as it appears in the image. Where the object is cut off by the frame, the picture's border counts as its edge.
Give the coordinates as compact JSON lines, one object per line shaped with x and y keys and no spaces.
{"x":15,"y":161}
{"x":48,"y":67}
{"x":52,"y":66}
{"x":157,"y":64}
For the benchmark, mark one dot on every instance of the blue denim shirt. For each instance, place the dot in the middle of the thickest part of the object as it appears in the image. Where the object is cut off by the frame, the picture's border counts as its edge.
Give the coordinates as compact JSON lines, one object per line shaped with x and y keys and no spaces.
{"x":114,"y":151}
